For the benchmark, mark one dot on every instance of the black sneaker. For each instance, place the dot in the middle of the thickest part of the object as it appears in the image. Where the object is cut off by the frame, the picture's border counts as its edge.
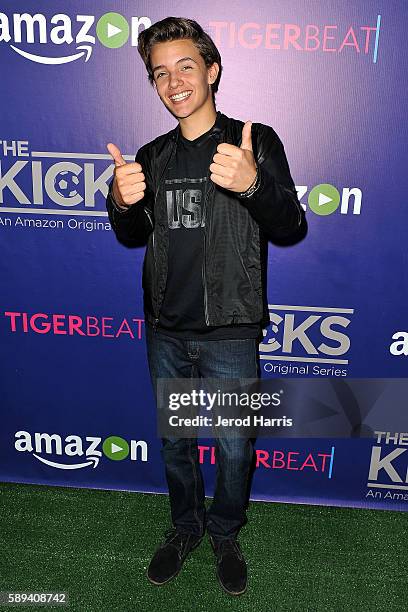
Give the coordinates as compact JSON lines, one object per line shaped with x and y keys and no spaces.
{"x":168,"y":559}
{"x":231,"y":566}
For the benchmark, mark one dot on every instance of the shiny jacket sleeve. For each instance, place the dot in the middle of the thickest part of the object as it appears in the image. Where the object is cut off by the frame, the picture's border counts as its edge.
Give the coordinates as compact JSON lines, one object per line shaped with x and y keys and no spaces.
{"x":274,"y":205}
{"x":133,"y":226}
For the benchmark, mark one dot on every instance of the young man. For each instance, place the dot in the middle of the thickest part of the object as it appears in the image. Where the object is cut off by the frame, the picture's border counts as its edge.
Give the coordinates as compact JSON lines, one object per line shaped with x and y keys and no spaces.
{"x":204,"y":197}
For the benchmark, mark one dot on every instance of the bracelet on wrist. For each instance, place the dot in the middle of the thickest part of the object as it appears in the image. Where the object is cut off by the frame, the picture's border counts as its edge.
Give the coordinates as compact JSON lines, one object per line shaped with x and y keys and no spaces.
{"x":253,"y":187}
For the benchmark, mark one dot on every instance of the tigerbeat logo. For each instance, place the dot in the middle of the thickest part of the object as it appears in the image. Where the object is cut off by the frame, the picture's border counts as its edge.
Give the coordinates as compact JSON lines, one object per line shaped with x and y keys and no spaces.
{"x":75,"y":452}
{"x":112,"y":31}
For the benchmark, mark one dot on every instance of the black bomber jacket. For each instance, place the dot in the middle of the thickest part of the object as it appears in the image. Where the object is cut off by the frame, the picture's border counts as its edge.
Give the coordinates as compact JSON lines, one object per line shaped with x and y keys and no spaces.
{"x":236,"y":229}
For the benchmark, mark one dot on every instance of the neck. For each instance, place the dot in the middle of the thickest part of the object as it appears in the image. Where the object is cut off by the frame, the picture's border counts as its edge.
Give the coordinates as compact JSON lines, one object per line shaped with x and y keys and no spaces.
{"x":199,"y":122}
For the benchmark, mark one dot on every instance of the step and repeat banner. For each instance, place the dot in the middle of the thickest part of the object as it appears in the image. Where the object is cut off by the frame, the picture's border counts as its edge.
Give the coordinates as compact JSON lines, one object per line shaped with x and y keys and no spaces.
{"x":77,"y":407}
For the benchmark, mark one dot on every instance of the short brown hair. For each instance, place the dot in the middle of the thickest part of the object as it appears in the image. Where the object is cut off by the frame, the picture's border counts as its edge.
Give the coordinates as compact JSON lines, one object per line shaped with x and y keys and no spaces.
{"x":176,"y":28}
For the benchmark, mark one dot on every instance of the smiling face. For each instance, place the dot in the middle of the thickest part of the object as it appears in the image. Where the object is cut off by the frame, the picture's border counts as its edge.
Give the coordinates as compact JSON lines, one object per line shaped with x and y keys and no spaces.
{"x":182,"y":79}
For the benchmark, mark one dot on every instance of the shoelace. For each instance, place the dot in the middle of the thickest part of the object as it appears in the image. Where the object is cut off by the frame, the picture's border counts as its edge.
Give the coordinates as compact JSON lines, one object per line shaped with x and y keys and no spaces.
{"x":227,"y":546}
{"x":176,"y":539}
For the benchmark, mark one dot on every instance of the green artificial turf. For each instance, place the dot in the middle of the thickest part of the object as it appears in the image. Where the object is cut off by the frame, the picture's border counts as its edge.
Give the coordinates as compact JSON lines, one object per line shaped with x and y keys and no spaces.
{"x":96,"y":546}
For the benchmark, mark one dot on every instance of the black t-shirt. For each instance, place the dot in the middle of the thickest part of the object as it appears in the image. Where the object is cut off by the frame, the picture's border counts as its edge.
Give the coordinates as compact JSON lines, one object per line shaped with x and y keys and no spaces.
{"x":186,"y":182}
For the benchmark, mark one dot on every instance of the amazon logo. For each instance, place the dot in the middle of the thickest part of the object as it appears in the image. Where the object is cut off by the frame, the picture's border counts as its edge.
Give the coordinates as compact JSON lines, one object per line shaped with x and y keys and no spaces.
{"x":112,"y":30}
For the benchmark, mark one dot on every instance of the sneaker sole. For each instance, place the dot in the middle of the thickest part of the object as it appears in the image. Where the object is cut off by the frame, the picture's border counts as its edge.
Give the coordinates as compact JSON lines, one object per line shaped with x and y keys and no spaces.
{"x":166,"y":581}
{"x":234,"y":593}
{"x":178,"y":571}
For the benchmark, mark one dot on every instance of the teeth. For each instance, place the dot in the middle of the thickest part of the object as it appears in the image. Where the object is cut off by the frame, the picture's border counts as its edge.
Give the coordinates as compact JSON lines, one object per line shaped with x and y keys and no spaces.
{"x":180,"y":96}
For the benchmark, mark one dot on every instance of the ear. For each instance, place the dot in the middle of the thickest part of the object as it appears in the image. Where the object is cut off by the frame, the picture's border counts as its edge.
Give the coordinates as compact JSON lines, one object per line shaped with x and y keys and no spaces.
{"x":213,"y":73}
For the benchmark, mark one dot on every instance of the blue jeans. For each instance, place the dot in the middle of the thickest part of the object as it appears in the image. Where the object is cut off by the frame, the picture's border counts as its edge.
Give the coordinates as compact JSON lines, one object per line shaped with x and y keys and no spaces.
{"x":178,"y":358}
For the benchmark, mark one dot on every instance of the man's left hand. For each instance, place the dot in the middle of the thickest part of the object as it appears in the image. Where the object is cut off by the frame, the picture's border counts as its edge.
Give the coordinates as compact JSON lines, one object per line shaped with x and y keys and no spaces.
{"x":234,"y":167}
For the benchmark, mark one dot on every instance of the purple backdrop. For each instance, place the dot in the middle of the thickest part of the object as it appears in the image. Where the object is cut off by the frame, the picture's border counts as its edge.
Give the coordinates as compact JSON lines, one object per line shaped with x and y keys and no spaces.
{"x":330,"y":80}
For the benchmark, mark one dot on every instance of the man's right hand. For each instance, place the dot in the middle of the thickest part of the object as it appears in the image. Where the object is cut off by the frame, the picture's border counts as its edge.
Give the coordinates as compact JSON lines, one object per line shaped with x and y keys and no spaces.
{"x":128,"y":185}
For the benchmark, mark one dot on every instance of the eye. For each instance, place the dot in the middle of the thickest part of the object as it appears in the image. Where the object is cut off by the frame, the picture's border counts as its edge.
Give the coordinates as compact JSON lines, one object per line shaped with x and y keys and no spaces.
{"x":160,"y":73}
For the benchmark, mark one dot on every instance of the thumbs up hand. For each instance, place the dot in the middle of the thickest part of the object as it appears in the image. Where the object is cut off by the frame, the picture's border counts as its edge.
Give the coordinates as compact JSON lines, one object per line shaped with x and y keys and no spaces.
{"x":128,"y":185}
{"x":234,"y":167}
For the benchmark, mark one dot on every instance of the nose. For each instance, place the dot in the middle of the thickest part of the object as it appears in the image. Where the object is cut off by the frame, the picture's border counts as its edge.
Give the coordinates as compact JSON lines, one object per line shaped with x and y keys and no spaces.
{"x":174,"y":80}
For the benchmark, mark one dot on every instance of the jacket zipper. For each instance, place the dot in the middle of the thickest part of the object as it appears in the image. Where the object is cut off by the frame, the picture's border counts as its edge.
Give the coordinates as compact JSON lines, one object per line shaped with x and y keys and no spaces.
{"x":156,"y":320}
{"x":203,"y":270}
{"x":203,"y":275}
{"x":157,"y":314}
{"x":149,"y":216}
